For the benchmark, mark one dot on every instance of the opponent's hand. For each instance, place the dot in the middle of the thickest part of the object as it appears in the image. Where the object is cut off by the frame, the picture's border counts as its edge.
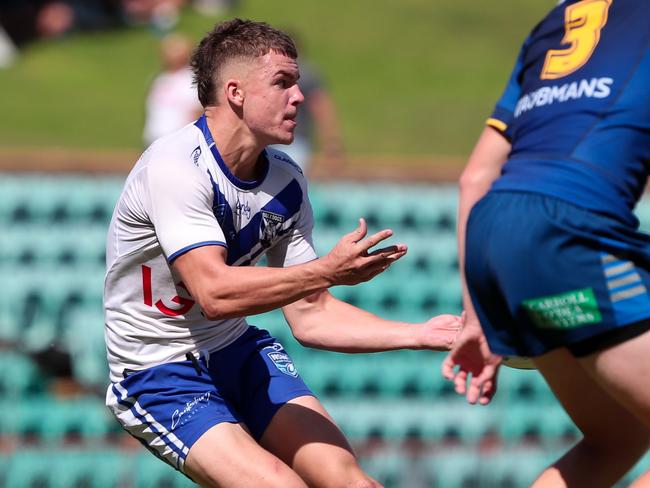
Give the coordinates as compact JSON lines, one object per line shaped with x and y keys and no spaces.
{"x":349,"y":262}
{"x":439,"y":333}
{"x":472,"y":356}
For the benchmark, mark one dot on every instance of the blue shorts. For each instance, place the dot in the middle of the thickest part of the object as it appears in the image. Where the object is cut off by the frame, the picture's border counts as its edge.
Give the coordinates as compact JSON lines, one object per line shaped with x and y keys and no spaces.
{"x":168,"y":407}
{"x":543,"y":273}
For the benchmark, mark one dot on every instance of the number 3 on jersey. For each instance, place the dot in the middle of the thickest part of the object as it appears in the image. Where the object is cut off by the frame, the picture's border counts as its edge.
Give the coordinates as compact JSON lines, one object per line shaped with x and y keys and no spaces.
{"x":583,"y":22}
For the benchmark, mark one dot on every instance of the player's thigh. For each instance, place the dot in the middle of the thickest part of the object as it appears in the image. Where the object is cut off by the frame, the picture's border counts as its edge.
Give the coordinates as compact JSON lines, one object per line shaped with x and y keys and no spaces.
{"x":624,"y":371}
{"x":304,"y":435}
{"x":604,"y":421}
{"x":227,"y":456}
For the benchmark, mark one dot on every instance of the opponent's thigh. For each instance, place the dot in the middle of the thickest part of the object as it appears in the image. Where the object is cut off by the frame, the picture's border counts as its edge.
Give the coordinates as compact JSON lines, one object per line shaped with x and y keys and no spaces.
{"x":304,"y":436}
{"x":614,"y":439}
{"x":227,"y":456}
{"x":624,"y":371}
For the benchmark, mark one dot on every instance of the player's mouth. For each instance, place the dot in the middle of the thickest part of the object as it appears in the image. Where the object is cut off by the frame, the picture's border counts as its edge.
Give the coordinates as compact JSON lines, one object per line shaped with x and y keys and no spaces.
{"x":291,"y":121}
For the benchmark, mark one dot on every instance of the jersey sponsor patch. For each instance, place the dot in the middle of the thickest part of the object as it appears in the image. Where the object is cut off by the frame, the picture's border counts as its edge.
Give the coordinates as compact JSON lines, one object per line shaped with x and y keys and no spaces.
{"x":548,"y":95}
{"x":564,"y":311}
{"x":281,"y":360}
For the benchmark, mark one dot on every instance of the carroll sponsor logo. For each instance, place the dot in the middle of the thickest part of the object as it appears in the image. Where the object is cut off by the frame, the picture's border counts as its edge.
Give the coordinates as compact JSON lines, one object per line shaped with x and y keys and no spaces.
{"x":189,"y":406}
{"x":547,"y":95}
{"x":564,"y":311}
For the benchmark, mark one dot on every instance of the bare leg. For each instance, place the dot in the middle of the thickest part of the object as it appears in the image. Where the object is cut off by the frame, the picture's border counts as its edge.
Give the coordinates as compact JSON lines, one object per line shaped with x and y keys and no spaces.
{"x":227,"y":456}
{"x":305,"y":437}
{"x":614,"y":439}
{"x":623,"y":371}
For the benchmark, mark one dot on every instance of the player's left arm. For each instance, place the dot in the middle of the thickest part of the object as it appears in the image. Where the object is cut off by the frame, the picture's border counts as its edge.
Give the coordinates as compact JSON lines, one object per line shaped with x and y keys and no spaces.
{"x":324,"y":322}
{"x":471,"y":353}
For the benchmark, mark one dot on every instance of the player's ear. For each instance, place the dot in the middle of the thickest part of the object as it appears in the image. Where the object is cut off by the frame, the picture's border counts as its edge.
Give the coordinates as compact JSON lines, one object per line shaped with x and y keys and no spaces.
{"x":234,"y":92}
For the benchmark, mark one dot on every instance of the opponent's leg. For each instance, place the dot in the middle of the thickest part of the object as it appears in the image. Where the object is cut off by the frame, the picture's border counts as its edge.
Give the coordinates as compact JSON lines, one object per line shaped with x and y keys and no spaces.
{"x":305,"y":437}
{"x":623,"y":371}
{"x":227,"y":456}
{"x":614,"y":439}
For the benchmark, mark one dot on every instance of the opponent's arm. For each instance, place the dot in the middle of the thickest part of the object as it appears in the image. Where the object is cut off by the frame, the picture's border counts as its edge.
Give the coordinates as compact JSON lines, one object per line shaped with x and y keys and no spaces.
{"x":324,"y":322}
{"x":483,"y":167}
{"x":225,"y":291}
{"x":471,"y":352}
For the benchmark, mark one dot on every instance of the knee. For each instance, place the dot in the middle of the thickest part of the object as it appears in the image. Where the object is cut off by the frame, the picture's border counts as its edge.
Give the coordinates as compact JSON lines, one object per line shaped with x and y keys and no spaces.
{"x":352,"y":479}
{"x":366,"y":482}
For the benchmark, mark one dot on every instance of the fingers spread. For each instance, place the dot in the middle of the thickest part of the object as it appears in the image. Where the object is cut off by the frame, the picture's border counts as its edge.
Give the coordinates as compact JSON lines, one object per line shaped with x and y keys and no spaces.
{"x":390,"y":250}
{"x":460,"y":382}
{"x":375,"y":239}
{"x":360,"y":232}
{"x":474,"y":390}
{"x":448,"y":368}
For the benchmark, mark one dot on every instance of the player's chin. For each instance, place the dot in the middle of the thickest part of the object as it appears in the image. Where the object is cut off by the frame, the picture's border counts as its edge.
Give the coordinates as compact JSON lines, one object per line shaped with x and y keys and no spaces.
{"x":285,"y":137}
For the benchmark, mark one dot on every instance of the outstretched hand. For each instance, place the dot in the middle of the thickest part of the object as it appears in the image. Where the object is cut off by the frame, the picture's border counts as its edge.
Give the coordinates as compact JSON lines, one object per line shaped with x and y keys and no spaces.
{"x":440,"y":332}
{"x":350,"y":261}
{"x":472,"y":356}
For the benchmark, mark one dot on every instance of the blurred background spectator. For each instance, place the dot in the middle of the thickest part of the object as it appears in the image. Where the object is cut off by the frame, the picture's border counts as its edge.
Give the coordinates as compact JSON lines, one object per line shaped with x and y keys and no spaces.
{"x":172,"y":101}
{"x":28,"y":20}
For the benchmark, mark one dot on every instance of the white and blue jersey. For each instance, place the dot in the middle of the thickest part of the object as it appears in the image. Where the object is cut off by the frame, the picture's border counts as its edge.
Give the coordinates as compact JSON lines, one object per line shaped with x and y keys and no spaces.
{"x":179,"y":196}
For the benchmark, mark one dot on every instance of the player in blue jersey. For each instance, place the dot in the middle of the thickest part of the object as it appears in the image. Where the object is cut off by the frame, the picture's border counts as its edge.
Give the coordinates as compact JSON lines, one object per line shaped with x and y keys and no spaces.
{"x":554,"y":266}
{"x":218,"y":399}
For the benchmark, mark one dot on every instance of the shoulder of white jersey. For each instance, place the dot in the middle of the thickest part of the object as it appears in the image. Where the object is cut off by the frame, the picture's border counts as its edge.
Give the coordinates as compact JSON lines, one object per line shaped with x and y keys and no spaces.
{"x":183,"y":145}
{"x":283,"y":160}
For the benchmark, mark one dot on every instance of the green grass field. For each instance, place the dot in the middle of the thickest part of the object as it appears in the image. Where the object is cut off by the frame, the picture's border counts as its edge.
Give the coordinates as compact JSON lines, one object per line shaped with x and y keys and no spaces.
{"x":415,"y":77}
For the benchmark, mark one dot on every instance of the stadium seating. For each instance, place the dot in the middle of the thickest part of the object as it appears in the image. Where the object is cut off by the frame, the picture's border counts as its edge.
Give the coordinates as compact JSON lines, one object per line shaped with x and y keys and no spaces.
{"x":408,"y":426}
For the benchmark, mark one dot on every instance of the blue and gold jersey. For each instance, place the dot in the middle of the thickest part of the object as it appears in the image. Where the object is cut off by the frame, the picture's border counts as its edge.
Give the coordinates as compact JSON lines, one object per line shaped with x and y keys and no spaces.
{"x":577,"y":107}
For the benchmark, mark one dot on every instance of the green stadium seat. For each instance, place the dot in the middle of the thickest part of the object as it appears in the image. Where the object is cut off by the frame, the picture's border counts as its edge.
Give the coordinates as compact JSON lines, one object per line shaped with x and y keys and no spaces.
{"x":19,"y":376}
{"x":29,"y":469}
{"x":525,"y":385}
{"x":84,"y":340}
{"x":151,"y":472}
{"x":545,"y":423}
{"x":49,"y":421}
{"x":452,"y":469}
{"x":390,"y":469}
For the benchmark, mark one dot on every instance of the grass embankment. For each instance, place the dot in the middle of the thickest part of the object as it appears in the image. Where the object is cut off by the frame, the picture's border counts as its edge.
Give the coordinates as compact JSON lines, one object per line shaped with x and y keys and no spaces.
{"x":413,"y":80}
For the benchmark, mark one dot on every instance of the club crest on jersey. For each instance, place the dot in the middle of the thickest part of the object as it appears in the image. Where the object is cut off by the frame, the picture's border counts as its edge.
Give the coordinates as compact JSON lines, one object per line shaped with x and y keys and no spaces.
{"x":270,"y":227}
{"x":281,"y":360}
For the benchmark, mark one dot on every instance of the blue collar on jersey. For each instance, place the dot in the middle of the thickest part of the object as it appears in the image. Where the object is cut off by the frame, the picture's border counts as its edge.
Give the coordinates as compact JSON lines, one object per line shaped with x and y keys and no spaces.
{"x":202,"y":124}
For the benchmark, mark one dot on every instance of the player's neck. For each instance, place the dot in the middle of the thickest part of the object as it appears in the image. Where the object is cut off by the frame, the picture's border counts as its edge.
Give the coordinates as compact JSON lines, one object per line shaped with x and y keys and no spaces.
{"x":237,"y":146}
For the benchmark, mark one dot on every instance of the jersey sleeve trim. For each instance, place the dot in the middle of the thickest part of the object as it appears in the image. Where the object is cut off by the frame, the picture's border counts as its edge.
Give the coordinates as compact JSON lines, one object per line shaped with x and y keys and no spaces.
{"x":180,"y":252}
{"x":497,"y":124}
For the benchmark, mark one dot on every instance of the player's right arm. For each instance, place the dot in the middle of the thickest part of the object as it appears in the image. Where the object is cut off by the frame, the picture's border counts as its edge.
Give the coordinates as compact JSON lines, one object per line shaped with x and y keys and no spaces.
{"x":225,"y":291}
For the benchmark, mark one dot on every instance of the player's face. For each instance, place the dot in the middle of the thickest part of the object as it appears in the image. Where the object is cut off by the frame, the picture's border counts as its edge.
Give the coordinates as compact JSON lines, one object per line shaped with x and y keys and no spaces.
{"x":272,"y":99}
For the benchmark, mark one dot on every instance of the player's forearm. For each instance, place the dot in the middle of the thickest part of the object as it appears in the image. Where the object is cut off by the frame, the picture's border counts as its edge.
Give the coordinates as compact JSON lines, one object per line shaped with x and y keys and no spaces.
{"x":337,"y":326}
{"x":242,"y":291}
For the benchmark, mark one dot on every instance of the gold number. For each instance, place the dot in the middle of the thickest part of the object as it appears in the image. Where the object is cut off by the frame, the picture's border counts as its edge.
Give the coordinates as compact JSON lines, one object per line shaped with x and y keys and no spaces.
{"x":583,"y":22}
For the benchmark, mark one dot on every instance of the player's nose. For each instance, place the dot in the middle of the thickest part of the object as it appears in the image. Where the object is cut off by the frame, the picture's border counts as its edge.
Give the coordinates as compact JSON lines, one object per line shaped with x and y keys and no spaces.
{"x":297,"y":96}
